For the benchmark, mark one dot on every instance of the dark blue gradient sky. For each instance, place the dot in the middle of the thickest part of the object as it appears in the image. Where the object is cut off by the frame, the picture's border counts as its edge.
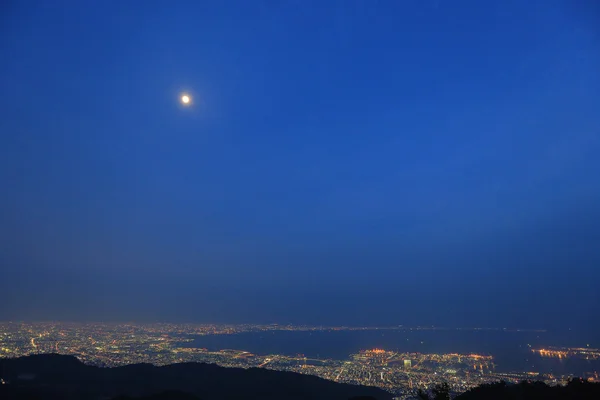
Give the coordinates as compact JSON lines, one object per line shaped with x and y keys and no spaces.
{"x":345,"y":162}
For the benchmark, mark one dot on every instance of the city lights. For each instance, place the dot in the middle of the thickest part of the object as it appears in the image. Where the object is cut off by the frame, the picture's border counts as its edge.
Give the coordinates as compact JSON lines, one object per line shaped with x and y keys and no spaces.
{"x":401,"y":373}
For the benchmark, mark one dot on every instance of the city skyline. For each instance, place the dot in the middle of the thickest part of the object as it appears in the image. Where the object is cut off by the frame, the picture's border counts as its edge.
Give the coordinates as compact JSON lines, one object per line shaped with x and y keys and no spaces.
{"x":399,"y":372}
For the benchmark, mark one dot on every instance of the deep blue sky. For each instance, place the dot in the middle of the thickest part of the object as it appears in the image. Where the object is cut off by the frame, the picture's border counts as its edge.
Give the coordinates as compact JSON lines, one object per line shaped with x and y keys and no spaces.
{"x":351,"y":162}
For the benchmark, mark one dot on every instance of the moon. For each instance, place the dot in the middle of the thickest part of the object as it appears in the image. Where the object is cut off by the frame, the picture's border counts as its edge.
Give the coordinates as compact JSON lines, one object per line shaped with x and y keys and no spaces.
{"x":185,"y":99}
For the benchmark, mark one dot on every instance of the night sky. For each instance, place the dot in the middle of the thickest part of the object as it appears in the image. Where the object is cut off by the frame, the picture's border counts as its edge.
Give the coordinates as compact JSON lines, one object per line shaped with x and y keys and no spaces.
{"x":343,"y":162}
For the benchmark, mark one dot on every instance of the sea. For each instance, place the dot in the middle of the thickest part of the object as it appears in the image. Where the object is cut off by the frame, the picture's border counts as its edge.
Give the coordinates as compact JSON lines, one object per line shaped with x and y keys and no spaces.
{"x":512,"y":350}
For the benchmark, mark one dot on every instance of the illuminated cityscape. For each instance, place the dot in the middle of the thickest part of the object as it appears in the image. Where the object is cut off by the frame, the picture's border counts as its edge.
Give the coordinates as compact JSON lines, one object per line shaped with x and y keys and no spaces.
{"x":338,"y":167}
{"x":109,"y":345}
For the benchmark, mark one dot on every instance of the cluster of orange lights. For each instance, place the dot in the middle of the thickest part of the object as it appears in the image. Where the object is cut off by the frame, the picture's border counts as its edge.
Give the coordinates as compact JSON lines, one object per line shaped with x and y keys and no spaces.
{"x":473,"y":356}
{"x":479,"y":357}
{"x":375,"y":351}
{"x":587,"y":353}
{"x":551,"y":353}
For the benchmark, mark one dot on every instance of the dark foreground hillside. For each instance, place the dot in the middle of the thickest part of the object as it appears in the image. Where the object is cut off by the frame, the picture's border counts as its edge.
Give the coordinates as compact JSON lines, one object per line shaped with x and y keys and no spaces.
{"x":53,"y":377}
{"x":577,"y":389}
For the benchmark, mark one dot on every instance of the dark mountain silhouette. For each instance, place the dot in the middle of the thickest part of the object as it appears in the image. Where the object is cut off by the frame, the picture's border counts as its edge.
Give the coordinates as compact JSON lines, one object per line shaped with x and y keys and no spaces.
{"x":52,"y":376}
{"x":576,"y":389}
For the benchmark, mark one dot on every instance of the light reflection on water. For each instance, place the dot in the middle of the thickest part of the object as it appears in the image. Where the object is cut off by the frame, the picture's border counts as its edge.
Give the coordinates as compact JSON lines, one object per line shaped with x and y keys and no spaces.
{"x":511,"y":350}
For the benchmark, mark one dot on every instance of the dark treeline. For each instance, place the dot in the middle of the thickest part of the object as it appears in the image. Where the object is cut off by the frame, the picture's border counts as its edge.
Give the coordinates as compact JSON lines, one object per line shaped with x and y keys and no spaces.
{"x":54,"y":377}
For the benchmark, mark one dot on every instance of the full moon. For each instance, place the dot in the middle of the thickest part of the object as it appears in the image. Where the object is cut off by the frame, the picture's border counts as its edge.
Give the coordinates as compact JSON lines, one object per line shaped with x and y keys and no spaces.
{"x":185,"y":99}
